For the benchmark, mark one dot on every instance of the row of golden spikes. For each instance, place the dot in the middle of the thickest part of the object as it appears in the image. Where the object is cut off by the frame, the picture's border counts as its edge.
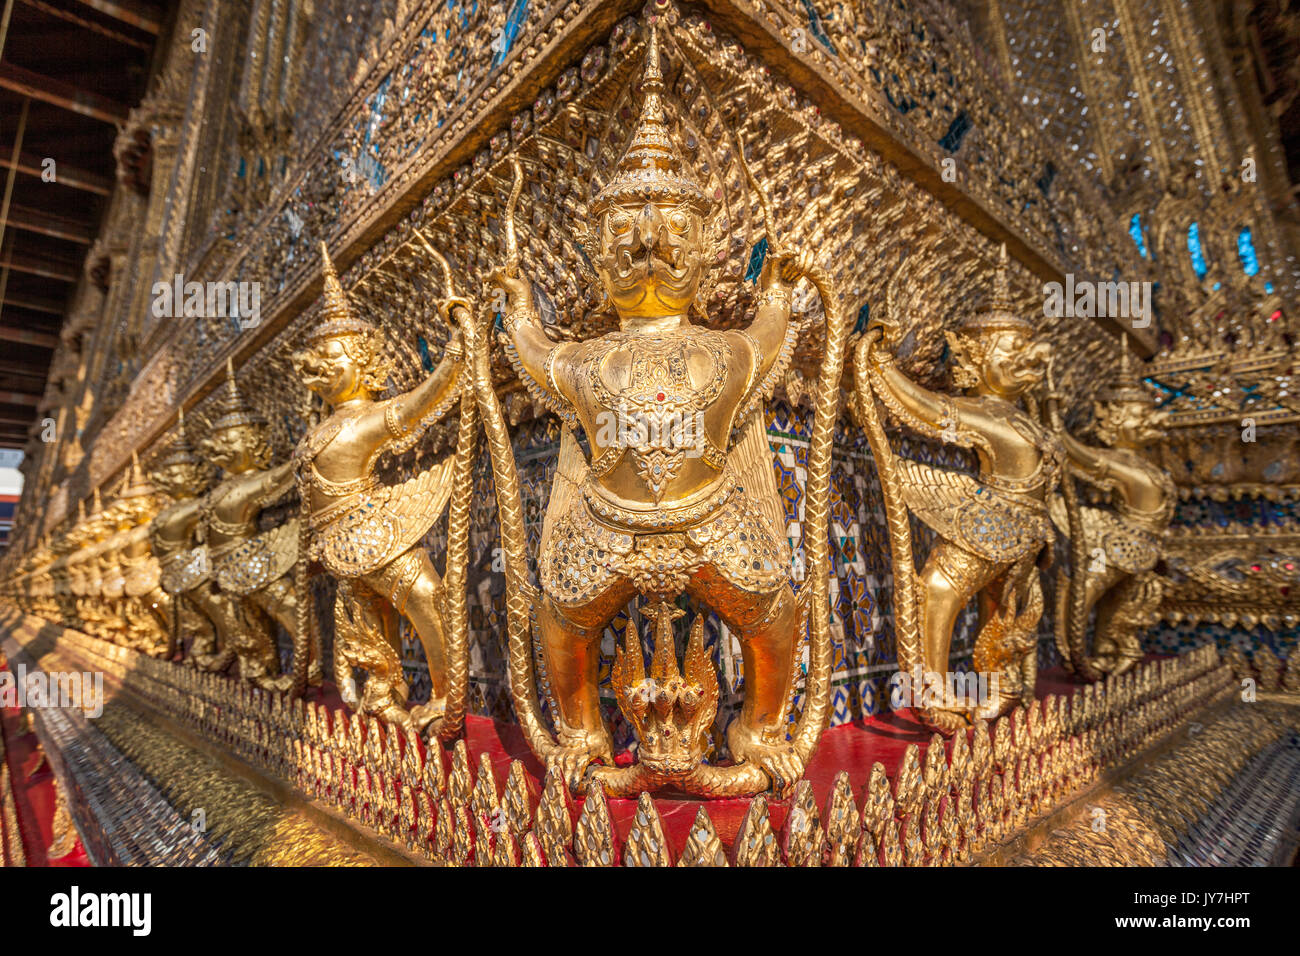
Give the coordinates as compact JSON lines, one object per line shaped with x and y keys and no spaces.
{"x":1265,"y":668}
{"x":940,"y":808}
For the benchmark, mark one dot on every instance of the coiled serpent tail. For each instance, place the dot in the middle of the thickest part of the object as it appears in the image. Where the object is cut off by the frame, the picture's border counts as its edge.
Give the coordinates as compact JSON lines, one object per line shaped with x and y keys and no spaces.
{"x":302,"y":633}
{"x":816,"y":711}
{"x":457,"y":614}
{"x":514,"y":544}
{"x":907,"y":627}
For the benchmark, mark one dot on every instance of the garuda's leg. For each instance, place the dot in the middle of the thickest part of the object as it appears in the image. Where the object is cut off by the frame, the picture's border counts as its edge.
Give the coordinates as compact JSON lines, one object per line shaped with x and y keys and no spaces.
{"x":766,"y":626}
{"x":571,"y":649}
{"x":1007,"y":647}
{"x":413,"y":587}
{"x":279,"y":599}
{"x":1122,"y":614}
{"x":951,"y":577}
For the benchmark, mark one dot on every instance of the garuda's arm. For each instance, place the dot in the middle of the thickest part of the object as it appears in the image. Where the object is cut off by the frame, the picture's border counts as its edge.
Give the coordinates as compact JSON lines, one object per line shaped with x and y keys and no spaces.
{"x":772,"y":335}
{"x":1089,"y":463}
{"x":406,"y":415}
{"x":538,"y":361}
{"x":932,"y":414}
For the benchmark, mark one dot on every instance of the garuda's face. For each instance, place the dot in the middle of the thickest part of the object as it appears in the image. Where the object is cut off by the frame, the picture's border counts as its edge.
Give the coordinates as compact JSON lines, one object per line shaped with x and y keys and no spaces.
{"x":1012,"y":364}
{"x":179,"y":479}
{"x":651,"y":258}
{"x":234,"y":449}
{"x":1134,"y":424}
{"x":329,"y":369}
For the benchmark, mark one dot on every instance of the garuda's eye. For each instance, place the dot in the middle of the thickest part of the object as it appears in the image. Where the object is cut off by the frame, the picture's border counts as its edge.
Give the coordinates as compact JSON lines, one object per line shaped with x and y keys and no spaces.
{"x":619,"y":223}
{"x":678,"y":221}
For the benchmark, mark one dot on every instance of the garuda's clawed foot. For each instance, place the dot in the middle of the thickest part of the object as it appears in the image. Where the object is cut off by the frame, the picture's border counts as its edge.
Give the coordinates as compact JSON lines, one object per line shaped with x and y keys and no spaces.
{"x":775,"y":755}
{"x":426,"y":717}
{"x":947,"y":722}
{"x":577,"y":751}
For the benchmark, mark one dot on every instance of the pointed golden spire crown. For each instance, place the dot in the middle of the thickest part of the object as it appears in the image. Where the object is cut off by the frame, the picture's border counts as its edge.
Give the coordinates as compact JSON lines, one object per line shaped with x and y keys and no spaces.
{"x":1127,"y":385}
{"x":135,"y":485}
{"x":1000,"y":314}
{"x":180,"y":451}
{"x":650,"y":169}
{"x":336,"y":318}
{"x":231,"y":410}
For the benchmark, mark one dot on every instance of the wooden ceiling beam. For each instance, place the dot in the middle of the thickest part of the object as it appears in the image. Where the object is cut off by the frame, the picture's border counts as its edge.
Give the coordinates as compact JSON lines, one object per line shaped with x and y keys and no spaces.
{"x":49,"y":224}
{"x":61,"y":94}
{"x":32,"y":303}
{"x":64,"y":175}
{"x":46,"y":268}
{"x":142,"y":16}
{"x":42,"y":340}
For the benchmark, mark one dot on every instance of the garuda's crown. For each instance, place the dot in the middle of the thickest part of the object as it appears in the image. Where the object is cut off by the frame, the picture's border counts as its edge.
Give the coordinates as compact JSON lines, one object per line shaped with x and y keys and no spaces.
{"x":336,"y":314}
{"x":180,"y":451}
{"x":135,"y":485}
{"x":650,"y":169}
{"x":1000,"y":315}
{"x":1127,"y":386}
{"x":231,"y":409}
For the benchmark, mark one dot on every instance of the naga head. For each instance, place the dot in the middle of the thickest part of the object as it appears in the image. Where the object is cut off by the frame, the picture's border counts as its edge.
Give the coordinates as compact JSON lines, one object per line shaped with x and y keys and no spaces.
{"x":180,"y":473}
{"x":1125,"y":411}
{"x":647,"y":236}
{"x":342,"y":358}
{"x":236,"y":440}
{"x":994,"y":352}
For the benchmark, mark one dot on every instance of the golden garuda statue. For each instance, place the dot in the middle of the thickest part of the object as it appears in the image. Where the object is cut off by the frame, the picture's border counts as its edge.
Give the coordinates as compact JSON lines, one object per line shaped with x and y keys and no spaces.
{"x":367,"y":534}
{"x":252,"y":566}
{"x":146,"y":607}
{"x":185,"y":571}
{"x":1114,"y":551}
{"x":87,"y":575}
{"x":676,"y":498}
{"x":991,"y":527}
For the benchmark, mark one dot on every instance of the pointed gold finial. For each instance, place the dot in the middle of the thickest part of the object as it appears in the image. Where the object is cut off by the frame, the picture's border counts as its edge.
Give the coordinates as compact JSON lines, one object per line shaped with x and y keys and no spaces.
{"x":650,"y":169}
{"x":230,"y":407}
{"x":336,"y":318}
{"x":1001,"y":312}
{"x":1127,"y":385}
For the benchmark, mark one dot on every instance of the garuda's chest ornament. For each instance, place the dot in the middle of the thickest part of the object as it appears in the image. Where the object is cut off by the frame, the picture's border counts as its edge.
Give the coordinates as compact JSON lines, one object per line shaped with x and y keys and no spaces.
{"x":655,"y":392}
{"x":675,"y":503}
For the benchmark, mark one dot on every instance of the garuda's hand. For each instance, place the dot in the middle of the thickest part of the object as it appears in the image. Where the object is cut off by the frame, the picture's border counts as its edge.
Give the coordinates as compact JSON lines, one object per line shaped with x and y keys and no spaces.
{"x":883,"y":336}
{"x":518,"y":290}
{"x":781,"y":272}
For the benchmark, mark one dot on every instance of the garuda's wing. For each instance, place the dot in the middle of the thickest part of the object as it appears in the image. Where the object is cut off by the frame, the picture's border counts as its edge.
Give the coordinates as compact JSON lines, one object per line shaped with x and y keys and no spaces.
{"x":570,"y":472}
{"x":381,"y":528}
{"x":971,"y":515}
{"x":751,"y":459}
{"x":257,"y":562}
{"x":418,"y":502}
